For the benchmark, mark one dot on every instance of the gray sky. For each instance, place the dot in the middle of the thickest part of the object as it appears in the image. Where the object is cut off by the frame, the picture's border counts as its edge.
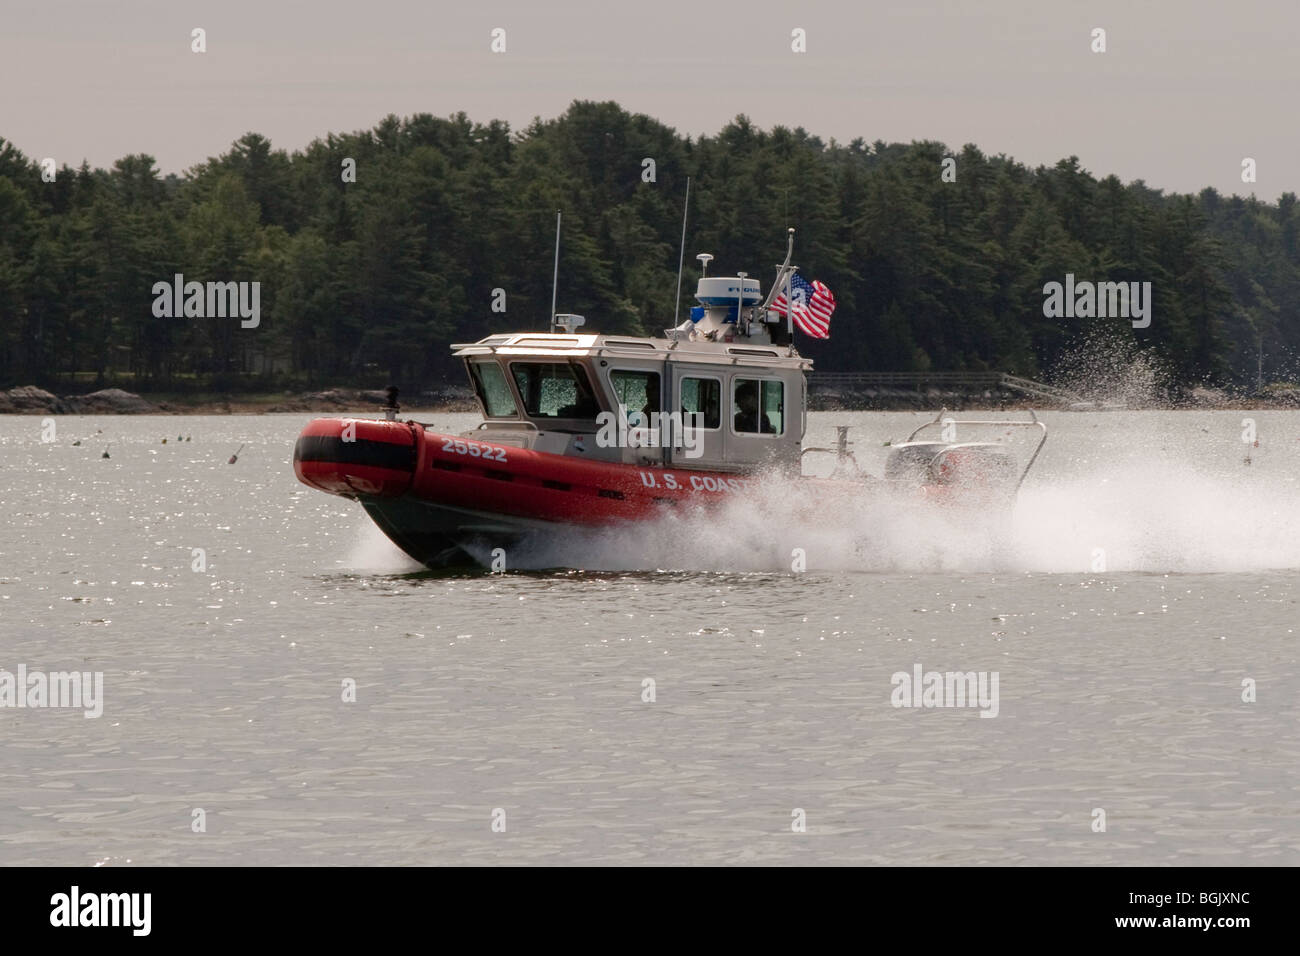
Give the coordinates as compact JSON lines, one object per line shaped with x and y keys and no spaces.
{"x":1185,"y":91}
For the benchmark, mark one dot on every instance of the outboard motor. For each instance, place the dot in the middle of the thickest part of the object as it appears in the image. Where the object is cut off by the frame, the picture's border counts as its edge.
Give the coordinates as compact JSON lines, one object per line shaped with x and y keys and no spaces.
{"x":981,"y":466}
{"x":971,"y":466}
{"x":965,"y":471}
{"x":910,"y":461}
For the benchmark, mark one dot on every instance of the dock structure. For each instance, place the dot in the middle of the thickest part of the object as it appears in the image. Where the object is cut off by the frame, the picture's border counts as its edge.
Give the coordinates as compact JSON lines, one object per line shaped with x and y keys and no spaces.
{"x":906,"y":387}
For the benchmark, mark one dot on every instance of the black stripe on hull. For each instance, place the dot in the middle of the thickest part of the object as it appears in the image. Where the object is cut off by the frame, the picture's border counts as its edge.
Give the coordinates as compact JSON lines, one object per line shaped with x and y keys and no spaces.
{"x":378,"y":454}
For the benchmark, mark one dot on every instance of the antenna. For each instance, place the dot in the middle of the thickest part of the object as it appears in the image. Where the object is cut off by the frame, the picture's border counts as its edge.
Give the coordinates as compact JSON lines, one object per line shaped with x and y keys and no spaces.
{"x":555,"y":277}
{"x":789,"y":301}
{"x":740,"y":301}
{"x":705,"y":259}
{"x":681,"y":255}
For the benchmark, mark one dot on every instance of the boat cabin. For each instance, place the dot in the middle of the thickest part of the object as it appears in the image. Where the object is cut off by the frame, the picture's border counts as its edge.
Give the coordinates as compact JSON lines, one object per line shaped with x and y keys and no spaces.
{"x":724,"y":391}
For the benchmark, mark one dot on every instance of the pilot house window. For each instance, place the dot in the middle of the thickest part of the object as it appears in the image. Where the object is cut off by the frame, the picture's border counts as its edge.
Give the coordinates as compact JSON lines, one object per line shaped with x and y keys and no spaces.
{"x":554,"y":390}
{"x":702,"y":396}
{"x":493,"y":391}
{"x":758,"y":406}
{"x":638,"y":393}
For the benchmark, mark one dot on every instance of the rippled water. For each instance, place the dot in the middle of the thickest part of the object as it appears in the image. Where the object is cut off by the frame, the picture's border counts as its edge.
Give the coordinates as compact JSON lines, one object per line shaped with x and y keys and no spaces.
{"x":1144,"y":574}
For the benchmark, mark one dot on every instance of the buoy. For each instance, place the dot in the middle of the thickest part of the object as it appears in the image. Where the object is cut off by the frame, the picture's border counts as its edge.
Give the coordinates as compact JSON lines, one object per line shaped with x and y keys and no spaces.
{"x":106,"y":454}
{"x":187,"y":437}
{"x":164,"y":441}
{"x":235,"y":457}
{"x":76,"y":443}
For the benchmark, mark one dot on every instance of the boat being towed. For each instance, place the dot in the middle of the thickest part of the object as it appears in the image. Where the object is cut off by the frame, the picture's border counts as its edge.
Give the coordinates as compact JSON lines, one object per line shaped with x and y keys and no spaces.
{"x":588,"y":430}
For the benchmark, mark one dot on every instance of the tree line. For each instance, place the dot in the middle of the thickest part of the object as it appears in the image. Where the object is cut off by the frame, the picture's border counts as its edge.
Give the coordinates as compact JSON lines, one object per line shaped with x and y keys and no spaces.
{"x":376,"y":249}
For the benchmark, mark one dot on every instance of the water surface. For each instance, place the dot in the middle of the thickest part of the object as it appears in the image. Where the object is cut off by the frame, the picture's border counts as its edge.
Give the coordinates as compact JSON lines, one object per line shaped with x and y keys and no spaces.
{"x":1146,"y":571}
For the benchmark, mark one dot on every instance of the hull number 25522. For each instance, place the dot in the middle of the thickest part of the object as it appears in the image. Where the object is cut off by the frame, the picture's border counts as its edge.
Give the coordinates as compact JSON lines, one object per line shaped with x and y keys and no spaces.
{"x":473,"y":449}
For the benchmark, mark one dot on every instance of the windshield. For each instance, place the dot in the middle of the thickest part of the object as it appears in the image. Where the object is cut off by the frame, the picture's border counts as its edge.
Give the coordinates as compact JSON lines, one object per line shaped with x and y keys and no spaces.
{"x":554,"y":390}
{"x":493,"y":390}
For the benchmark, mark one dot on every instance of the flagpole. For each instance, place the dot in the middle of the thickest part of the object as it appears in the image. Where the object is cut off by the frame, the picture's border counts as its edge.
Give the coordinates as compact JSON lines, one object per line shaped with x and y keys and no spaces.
{"x":780,"y":271}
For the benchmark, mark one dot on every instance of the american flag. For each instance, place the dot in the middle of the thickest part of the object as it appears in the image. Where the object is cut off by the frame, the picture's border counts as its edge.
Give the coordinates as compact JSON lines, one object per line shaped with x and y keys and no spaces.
{"x":813,"y":305}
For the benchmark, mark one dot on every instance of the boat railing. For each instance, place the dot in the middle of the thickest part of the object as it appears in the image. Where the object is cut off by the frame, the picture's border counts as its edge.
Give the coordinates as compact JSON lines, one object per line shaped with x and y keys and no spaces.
{"x":943,"y":419}
{"x":844,"y":459}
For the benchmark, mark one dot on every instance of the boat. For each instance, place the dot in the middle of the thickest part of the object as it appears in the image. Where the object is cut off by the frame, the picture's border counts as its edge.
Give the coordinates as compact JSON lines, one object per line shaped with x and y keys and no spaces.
{"x":588,"y":430}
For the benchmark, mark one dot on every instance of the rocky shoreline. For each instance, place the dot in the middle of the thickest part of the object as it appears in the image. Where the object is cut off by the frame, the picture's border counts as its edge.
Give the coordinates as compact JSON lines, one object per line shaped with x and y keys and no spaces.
{"x":30,"y":400}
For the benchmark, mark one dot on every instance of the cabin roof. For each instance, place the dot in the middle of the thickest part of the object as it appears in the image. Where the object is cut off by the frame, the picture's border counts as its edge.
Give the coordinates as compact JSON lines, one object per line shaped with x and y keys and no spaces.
{"x":571,"y":345}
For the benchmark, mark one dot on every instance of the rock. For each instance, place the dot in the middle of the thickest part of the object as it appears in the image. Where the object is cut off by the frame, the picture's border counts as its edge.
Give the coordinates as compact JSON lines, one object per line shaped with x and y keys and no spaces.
{"x":292,"y":405}
{"x":452,"y":398}
{"x":110,"y":401}
{"x":30,"y":400}
{"x":1282,"y":395}
{"x":331,"y":396}
{"x":1209,"y":397}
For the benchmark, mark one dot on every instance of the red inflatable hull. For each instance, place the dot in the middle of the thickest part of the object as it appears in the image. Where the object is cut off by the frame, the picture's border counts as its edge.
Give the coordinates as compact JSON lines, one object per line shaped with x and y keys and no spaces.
{"x":356,"y":457}
{"x":433,"y":494}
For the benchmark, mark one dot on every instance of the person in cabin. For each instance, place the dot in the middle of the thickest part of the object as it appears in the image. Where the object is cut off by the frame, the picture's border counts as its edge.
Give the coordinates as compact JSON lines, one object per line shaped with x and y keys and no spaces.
{"x":651,"y":405}
{"x":748,"y":417}
{"x":745,"y":408}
